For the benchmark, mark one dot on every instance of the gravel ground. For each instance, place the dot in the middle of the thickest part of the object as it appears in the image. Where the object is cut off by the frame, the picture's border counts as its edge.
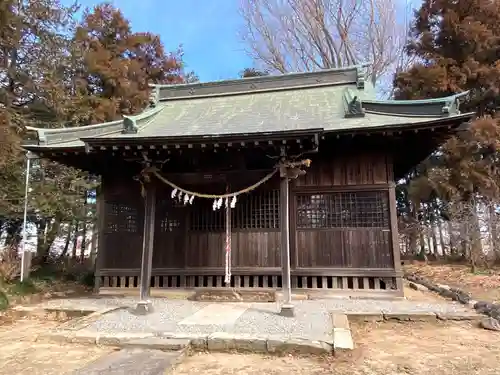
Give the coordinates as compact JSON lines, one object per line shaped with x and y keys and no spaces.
{"x":311,"y":321}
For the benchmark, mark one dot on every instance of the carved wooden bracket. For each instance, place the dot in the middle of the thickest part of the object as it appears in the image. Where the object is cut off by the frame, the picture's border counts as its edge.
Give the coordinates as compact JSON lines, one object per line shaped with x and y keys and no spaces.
{"x":293,"y":169}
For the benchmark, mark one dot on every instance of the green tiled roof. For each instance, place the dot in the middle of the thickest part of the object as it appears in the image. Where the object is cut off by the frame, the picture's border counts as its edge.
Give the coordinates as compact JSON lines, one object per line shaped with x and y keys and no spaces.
{"x":331,"y":100}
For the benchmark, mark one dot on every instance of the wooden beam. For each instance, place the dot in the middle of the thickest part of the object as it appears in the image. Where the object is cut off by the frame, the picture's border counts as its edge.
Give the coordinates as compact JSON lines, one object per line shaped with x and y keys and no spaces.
{"x":257,"y":271}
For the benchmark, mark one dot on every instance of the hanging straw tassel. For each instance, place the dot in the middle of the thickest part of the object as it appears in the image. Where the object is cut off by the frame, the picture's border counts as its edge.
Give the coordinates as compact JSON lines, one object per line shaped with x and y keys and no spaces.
{"x":227,"y":278}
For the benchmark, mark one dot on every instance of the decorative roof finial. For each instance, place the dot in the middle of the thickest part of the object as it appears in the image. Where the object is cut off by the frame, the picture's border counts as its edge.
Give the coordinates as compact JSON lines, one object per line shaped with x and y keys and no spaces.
{"x":154,"y":96}
{"x":360,"y":80}
{"x":130,"y":125}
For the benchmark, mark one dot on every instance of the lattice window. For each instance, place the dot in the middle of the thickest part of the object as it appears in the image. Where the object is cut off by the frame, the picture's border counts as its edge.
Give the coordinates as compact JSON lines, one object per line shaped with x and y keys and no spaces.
{"x":257,"y":211}
{"x":343,"y":210}
{"x":204,"y":218}
{"x":121,"y":218}
{"x":253,"y":211}
{"x":169,"y":224}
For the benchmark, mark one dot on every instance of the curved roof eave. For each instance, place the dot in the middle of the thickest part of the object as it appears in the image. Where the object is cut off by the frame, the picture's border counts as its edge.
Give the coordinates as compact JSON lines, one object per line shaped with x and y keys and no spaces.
{"x":75,"y":136}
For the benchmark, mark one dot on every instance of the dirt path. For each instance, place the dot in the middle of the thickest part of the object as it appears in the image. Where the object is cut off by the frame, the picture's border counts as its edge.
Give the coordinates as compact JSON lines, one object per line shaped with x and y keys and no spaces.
{"x":20,"y":355}
{"x":382,"y":349}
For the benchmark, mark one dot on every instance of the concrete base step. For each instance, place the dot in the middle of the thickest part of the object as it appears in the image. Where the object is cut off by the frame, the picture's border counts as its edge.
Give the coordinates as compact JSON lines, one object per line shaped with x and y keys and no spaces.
{"x":133,"y":361}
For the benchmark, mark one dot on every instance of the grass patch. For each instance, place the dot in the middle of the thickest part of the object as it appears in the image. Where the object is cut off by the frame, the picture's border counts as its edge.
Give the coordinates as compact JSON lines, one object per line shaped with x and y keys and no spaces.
{"x":4,"y":301}
{"x":22,"y":288}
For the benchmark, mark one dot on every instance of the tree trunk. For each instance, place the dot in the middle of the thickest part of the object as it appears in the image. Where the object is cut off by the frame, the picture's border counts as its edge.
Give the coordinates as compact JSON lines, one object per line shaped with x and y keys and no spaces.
{"x":452,"y":239}
{"x":476,"y":248}
{"x":441,"y":237}
{"x":464,"y":240}
{"x":413,"y":232}
{"x":428,"y":237}
{"x":13,"y":230}
{"x":75,"y":239}
{"x":47,"y":233}
{"x":492,"y":219}
{"x":93,"y":243}
{"x":434,"y":238}
{"x":66,"y":243}
{"x":84,"y":241}
{"x":423,"y":253}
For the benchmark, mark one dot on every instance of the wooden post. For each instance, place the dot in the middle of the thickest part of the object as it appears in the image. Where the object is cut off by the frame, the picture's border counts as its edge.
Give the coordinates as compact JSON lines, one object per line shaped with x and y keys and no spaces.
{"x":144,"y":306}
{"x":286,"y":307}
{"x":393,"y":220}
{"x":99,"y":262}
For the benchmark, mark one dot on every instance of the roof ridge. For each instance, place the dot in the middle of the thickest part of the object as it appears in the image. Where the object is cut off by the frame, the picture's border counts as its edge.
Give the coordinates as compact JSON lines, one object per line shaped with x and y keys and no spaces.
{"x":327,"y":77}
{"x":448,"y":98}
{"x":445,"y":106}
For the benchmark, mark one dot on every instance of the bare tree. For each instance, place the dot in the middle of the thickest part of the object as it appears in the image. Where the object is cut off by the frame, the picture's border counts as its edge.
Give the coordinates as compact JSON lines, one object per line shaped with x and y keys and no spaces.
{"x":304,"y":35}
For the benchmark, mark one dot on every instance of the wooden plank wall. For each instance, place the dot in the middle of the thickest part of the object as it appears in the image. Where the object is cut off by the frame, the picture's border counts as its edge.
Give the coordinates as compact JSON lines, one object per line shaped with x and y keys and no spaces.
{"x":349,"y":170}
{"x":182,"y":241}
{"x":359,"y":185}
{"x":123,"y":224}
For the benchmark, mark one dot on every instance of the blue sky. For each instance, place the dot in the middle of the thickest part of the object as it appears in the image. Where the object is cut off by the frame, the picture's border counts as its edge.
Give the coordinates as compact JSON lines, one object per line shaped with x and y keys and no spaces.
{"x":207,"y":30}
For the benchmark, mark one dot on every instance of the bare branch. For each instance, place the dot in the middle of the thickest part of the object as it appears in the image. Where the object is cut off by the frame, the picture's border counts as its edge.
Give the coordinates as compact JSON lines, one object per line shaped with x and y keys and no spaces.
{"x":300,"y":35}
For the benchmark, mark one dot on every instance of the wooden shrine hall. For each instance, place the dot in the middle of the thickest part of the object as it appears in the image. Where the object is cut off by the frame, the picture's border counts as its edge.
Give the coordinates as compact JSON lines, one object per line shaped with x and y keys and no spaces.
{"x":260,"y":183}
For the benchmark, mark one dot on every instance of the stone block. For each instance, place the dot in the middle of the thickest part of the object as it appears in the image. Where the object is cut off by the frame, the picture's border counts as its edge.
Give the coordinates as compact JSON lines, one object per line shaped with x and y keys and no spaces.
{"x":158,"y":343}
{"x":365,"y":317}
{"x":223,"y":341}
{"x":417,"y":316}
{"x":472,"y":303}
{"x":279,"y":296}
{"x":490,"y":324}
{"x":299,"y":346}
{"x":250,"y":343}
{"x":220,"y":342}
{"x":342,"y":339}
{"x":117,"y":338}
{"x":143,"y":308}
{"x":418,"y":287}
{"x":287,"y":311}
{"x":340,"y":321}
{"x":459,"y":316}
{"x":58,"y":337}
{"x":198,"y":341}
{"x":82,"y":337}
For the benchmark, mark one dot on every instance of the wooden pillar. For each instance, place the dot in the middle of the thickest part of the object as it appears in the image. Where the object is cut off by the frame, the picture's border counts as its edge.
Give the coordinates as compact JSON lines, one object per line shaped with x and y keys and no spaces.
{"x":99,"y":262}
{"x":286,"y":307}
{"x":393,"y":216}
{"x":144,"y":306}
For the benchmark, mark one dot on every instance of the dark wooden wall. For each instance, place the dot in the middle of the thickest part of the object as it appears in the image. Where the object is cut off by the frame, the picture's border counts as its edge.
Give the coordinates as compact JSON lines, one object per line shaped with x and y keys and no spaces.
{"x":339,"y":219}
{"x":342,"y":213}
